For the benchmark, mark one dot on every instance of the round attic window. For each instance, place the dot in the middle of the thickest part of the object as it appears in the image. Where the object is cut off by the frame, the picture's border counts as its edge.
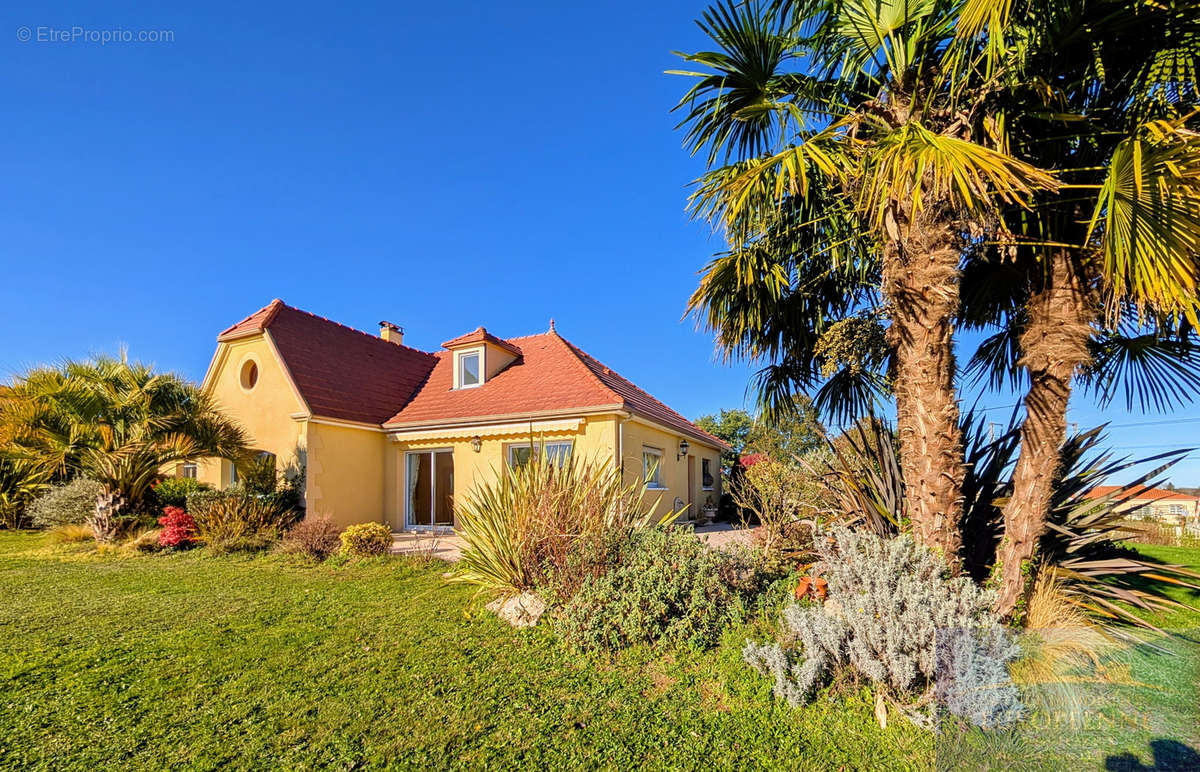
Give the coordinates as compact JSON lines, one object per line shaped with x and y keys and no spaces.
{"x":249,"y":374}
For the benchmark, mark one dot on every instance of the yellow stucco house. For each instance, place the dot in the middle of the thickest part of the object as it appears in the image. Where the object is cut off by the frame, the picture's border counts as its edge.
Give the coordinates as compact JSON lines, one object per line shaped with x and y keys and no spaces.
{"x":389,"y":433}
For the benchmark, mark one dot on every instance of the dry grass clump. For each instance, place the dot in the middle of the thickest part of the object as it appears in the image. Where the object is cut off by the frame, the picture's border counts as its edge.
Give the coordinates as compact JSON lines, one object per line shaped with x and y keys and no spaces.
{"x":71,"y":533}
{"x":1062,"y":648}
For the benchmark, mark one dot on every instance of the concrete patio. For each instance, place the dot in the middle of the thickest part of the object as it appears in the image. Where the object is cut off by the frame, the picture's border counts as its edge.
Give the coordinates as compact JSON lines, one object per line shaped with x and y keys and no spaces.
{"x":448,"y":546}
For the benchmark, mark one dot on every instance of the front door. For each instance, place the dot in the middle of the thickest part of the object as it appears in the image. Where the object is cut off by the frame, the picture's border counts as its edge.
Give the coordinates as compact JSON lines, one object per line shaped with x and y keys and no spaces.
{"x":429,"y":482}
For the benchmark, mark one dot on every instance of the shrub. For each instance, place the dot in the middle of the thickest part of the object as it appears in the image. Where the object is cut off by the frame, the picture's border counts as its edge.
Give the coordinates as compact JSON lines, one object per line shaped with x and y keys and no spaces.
{"x":536,"y":522}
{"x":173,"y":491}
{"x":316,"y":537}
{"x":890,"y":602}
{"x":237,"y":518}
{"x":666,"y":586}
{"x":69,"y":504}
{"x":367,"y":539}
{"x":178,"y":528}
{"x":780,"y":496}
{"x":70,"y":533}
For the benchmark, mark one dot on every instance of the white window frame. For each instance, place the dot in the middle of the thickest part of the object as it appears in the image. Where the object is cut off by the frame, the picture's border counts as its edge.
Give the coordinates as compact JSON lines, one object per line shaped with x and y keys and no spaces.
{"x":458,"y":368}
{"x":713,"y":486}
{"x":538,"y":447}
{"x":192,"y":467}
{"x":653,"y":483}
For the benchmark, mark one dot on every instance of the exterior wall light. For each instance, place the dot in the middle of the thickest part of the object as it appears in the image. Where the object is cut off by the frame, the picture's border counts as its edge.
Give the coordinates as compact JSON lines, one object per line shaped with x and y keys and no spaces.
{"x":683,"y":449}
{"x":476,"y":443}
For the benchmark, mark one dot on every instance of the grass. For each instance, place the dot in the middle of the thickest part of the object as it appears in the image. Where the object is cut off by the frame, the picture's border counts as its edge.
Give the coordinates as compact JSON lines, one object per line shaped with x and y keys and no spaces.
{"x":188,"y":660}
{"x":250,"y":662}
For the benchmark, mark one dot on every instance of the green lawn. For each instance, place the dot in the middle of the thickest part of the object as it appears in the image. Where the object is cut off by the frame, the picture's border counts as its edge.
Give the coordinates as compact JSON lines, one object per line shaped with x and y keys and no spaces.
{"x":252,"y":662}
{"x":187,"y":660}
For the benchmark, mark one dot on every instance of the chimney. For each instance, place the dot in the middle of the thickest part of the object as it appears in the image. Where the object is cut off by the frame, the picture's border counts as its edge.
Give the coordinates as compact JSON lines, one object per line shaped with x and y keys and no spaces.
{"x":392,"y":333}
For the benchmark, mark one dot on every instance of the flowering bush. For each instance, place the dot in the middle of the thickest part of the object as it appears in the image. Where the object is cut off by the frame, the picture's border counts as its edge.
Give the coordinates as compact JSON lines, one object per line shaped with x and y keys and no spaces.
{"x":366,"y":539}
{"x":179,"y":529}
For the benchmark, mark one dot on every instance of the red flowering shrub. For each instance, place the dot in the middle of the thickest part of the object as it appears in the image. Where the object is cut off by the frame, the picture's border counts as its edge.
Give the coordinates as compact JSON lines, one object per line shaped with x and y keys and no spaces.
{"x":179,"y":529}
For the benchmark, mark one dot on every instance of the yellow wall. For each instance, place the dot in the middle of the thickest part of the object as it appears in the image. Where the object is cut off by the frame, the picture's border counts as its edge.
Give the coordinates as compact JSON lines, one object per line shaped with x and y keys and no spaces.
{"x":594,"y":439}
{"x":264,"y":411}
{"x":673,"y":475}
{"x":345,"y":475}
{"x":597,"y":438}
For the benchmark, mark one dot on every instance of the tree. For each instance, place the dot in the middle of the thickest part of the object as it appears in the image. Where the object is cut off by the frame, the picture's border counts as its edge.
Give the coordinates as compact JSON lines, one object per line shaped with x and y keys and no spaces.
{"x":731,"y":426}
{"x":781,"y":437}
{"x":118,"y":423}
{"x":1099,"y":282}
{"x":864,"y":164}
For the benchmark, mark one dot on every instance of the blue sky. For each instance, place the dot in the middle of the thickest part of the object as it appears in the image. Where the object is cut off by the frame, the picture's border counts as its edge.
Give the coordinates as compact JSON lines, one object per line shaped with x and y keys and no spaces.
{"x":437,"y":165}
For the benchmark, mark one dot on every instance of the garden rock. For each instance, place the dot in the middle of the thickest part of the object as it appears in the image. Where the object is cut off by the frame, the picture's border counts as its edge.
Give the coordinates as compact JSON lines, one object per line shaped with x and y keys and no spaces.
{"x":522,"y":610}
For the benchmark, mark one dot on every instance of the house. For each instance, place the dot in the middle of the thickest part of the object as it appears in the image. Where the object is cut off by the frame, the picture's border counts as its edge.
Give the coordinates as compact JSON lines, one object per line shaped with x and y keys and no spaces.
{"x":1170,"y":507}
{"x":385,"y":432}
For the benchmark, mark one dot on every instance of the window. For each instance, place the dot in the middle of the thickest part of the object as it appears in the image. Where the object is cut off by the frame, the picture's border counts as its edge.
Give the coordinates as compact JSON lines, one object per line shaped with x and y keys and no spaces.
{"x":233,"y":473}
{"x":652,"y":467}
{"x":558,"y":451}
{"x":1175,"y":509}
{"x":189,"y":470}
{"x":706,"y":478}
{"x":249,"y":374}
{"x":468,"y":369}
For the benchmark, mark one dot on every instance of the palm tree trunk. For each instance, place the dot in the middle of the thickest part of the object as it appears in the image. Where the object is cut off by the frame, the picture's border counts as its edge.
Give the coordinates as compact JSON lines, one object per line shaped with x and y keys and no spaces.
{"x":1054,"y":345}
{"x":104,"y":520}
{"x":920,"y":280}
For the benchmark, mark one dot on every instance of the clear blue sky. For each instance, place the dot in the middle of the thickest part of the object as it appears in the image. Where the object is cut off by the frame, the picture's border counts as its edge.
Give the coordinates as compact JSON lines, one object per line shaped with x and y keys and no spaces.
{"x":439,"y":165}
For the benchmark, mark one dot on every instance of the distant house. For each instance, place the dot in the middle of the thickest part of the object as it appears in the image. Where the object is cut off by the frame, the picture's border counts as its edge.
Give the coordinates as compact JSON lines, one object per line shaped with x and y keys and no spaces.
{"x":1170,"y":507}
{"x":389,"y":433}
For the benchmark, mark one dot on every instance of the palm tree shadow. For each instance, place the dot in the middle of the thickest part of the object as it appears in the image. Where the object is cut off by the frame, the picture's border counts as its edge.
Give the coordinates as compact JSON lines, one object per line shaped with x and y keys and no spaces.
{"x":1169,"y":756}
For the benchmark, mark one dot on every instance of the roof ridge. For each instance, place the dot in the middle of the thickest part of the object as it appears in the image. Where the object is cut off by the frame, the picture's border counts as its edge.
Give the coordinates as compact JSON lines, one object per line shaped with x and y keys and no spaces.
{"x":355,"y":329}
{"x":278,"y":304}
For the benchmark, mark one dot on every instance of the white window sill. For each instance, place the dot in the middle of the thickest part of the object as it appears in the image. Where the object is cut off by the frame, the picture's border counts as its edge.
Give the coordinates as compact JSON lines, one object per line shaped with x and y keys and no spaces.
{"x":657,"y":488}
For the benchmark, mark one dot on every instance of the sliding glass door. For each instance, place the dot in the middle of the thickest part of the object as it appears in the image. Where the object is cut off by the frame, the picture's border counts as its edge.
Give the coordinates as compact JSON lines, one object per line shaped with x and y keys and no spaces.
{"x":429,"y":481}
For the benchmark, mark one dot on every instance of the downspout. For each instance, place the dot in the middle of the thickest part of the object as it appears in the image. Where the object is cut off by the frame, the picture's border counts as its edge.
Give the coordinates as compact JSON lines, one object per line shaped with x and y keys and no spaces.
{"x":623,"y":417}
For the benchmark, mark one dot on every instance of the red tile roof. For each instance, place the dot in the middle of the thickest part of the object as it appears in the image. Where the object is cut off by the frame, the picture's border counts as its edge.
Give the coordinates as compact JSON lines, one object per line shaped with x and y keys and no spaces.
{"x":1144,"y":494}
{"x":339,"y":371}
{"x":355,"y":376}
{"x":481,"y":335}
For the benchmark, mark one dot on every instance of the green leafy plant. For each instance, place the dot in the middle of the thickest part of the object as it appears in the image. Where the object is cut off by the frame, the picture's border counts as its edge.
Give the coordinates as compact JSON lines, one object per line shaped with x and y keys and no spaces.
{"x":366,"y":540}
{"x":173,"y":491}
{"x":664,"y":586}
{"x":532,"y":522}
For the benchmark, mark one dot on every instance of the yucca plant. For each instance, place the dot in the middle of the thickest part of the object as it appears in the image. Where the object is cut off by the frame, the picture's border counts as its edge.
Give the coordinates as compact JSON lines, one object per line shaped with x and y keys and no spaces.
{"x":544,"y":521}
{"x":1083,"y":545}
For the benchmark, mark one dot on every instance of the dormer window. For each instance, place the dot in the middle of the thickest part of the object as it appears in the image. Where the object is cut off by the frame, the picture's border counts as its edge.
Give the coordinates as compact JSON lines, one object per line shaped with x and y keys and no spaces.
{"x":470,"y":369}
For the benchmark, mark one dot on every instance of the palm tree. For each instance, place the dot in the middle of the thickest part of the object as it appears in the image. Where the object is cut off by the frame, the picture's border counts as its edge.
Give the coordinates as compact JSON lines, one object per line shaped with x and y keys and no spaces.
{"x":842,"y":125}
{"x":119,"y":423}
{"x":1103,"y":273}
